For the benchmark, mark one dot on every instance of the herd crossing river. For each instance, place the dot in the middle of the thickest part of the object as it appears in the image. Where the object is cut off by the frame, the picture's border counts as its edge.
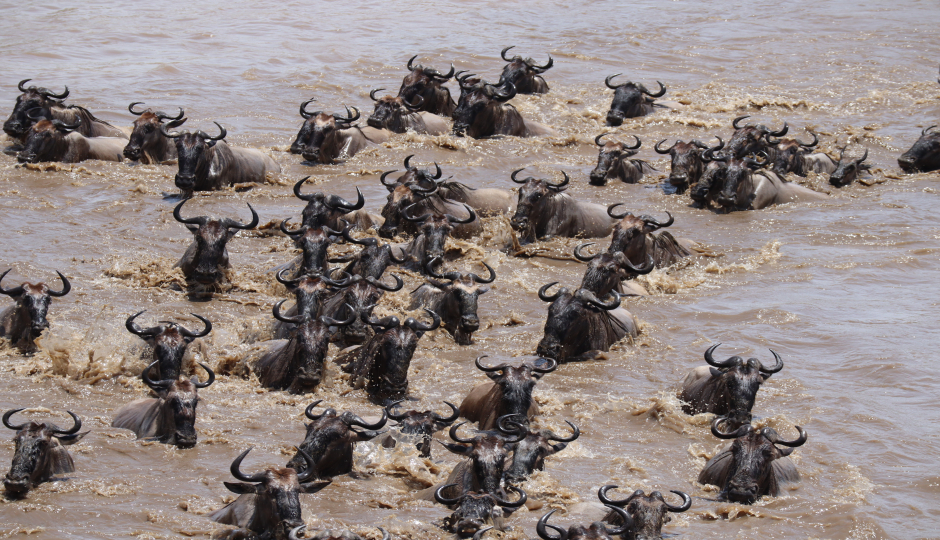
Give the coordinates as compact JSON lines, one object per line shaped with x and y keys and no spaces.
{"x":842,"y":287}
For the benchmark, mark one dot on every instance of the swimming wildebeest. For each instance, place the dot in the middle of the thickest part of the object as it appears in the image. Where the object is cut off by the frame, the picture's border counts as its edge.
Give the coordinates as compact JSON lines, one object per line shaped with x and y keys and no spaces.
{"x":648,"y":513}
{"x":424,"y":88}
{"x":544,"y":211}
{"x":169,"y":341}
{"x":751,"y":138}
{"x":528,"y":455}
{"x":206,"y":259}
{"x":847,"y":170}
{"x":54,"y":140}
{"x":596,"y":531}
{"x":25,"y":321}
{"x":420,"y":425}
{"x":331,"y":138}
{"x":633,"y":235}
{"x":614,"y":163}
{"x":580,"y":326}
{"x":793,"y":156}
{"x":924,"y":156}
{"x":525,"y":74}
{"x":398,"y":116}
{"x":685,"y":160}
{"x":508,"y":393}
{"x":475,"y":510}
{"x":330,"y":440}
{"x":51,"y":107}
{"x":147,"y":143}
{"x":40,"y":453}
{"x":454,"y":300}
{"x":483,"y":112}
{"x":747,"y":187}
{"x":631,"y":100}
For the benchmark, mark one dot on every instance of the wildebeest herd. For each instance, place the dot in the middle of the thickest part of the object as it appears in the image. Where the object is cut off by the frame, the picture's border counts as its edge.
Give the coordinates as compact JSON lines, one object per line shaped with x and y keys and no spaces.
{"x":335,"y":305}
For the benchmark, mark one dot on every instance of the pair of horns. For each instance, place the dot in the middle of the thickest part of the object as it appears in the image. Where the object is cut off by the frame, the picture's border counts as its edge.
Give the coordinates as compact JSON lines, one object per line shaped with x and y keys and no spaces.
{"x":430,"y":71}
{"x":778,"y":365}
{"x":439,"y":497}
{"x":16,"y":291}
{"x":201,"y":134}
{"x":166,"y":383}
{"x":388,"y":323}
{"x":348,"y":418}
{"x":44,"y":91}
{"x":37,"y":114}
{"x":76,"y":421}
{"x":553,"y":364}
{"x":453,"y":276}
{"x":348,"y":119}
{"x":686,"y":500}
{"x":133,"y":328}
{"x":598,"y":142}
{"x":308,"y":474}
{"x":451,"y":218}
{"x":543,"y":526}
{"x":160,"y":114}
{"x":763,"y":129}
{"x":558,"y":188}
{"x":534,"y":66}
{"x":227,"y":222}
{"x":301,"y":317}
{"x":659,"y":93}
{"x":455,"y":412}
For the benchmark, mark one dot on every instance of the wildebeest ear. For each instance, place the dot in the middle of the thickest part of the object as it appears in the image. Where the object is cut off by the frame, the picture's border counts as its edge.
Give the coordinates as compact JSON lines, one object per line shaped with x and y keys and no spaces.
{"x":455,"y":448}
{"x":71,"y":439}
{"x":715,"y":372}
{"x":176,"y":123}
{"x":241,"y":488}
{"x":483,"y":290}
{"x":313,"y":487}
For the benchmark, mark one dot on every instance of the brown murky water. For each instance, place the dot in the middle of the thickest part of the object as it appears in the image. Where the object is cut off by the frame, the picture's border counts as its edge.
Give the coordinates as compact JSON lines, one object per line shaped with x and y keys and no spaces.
{"x":844,"y":290}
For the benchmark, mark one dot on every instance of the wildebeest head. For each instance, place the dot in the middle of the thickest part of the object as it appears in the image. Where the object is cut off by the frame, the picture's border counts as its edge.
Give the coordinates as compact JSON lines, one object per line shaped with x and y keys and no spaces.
{"x":458,"y":307}
{"x":435,"y":227}
{"x":46,"y":139}
{"x":535,"y":203}
{"x":315,"y":242}
{"x":39,"y":453}
{"x":631,"y":232}
{"x":596,"y":531}
{"x":323,"y":209}
{"x":179,"y":398}
{"x":712,"y":180}
{"x":422,"y":424}
{"x":318,"y":129}
{"x":400,"y":197}
{"x":630,"y":100}
{"x":924,"y":156}
{"x":847,"y":170}
{"x":571,"y":320}
{"x":394,"y":113}
{"x":738,"y":383}
{"x":487,"y":451}
{"x":749,"y":474}
{"x":477,"y":102}
{"x":373,"y":259}
{"x":424,"y":87}
{"x":32,"y":305}
{"x":648,"y":512}
{"x":474,"y":510}
{"x":277,"y":491}
{"x":736,"y":191}
{"x":606,"y":270}
{"x":524,"y":73}
{"x":330,"y":439}
{"x":751,"y":138}
{"x":311,"y":341}
{"x":31,"y":98}
{"x":194,"y":155}
{"x":516,"y":385}
{"x":310,"y":290}
{"x":392,"y":348}
{"x":359,"y":299}
{"x":146,"y":137}
{"x":169,"y":341}
{"x":788,"y":154}
{"x":528,"y":455}
{"x":210,"y":235}
{"x":609,"y":158}
{"x":686,"y":163}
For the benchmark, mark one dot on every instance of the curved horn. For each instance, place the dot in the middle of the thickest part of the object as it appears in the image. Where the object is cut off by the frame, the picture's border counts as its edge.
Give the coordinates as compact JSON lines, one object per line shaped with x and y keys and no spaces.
{"x":419,"y":326}
{"x":24,"y":90}
{"x":489,"y":269}
{"x":442,"y":76}
{"x":294,"y":533}
{"x":205,"y":331}
{"x":169,"y":134}
{"x":419,"y":219}
{"x":341,"y":203}
{"x":610,"y":78}
{"x":666,"y":151}
{"x":453,"y":434}
{"x":597,"y":140}
{"x":455,"y":413}
{"x":551,"y":366}
{"x":659,"y":93}
{"x":356,"y":421}
{"x":716,"y":363}
{"x":47,"y":93}
{"x":300,"y":195}
{"x":808,"y":145}
{"x":863,"y":158}
{"x":348,"y":119}
{"x":66,"y":286}
{"x":310,"y":471}
{"x":407,"y":161}
{"x":584,"y":258}
{"x":799,"y":441}
{"x":458,"y":221}
{"x":133,"y":328}
{"x":289,"y":232}
{"x":232,"y":224}
{"x":734,"y":123}
{"x":638,"y":144}
{"x":604,"y":498}
{"x":591,"y":299}
{"x":626,"y":263}
{"x":610,"y":211}
{"x":164,"y":116}
{"x":221,"y":135}
{"x":544,"y":297}
{"x":365,"y":241}
{"x":386,"y":184}
{"x":296,"y":319}
{"x":76,"y":425}
{"x":303,"y":109}
{"x":15,"y":291}
{"x":540,"y":69}
{"x":372,"y":93}
{"x":156,"y":385}
{"x":190,"y":221}
{"x":410,"y":60}
{"x":782,"y":132}
{"x":235,"y":469}
{"x":329,"y":321}
{"x":575,"y":433}
{"x":68,"y":127}
{"x":437,"y":173}
{"x":740,"y":432}
{"x":686,"y":502}
{"x":558,"y":188}
{"x":481,"y":367}
{"x":390,"y":414}
{"x":627,"y":519}
{"x":653,"y":221}
{"x":384,"y":323}
{"x":517,"y":429}
{"x":543,"y":525}
{"x":439,"y":496}
{"x":289,"y":283}
{"x":516,"y":180}
{"x":209,"y":381}
{"x":922,"y":133}
{"x":416,"y":106}
{"x":377,"y":283}
{"x":429,"y":268}
{"x":132,"y":111}
{"x":503,"y":53}
{"x":424,"y":191}
{"x":11,"y":412}
{"x":778,"y":365}
{"x":508,"y":504}
{"x":308,"y":412}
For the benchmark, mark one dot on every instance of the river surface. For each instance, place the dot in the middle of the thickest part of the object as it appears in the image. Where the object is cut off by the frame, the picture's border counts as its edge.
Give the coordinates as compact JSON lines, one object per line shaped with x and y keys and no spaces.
{"x":845,"y":290}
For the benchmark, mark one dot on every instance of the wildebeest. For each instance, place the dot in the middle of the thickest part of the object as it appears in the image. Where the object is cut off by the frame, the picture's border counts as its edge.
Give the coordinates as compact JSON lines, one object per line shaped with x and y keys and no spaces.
{"x":424,"y":88}
{"x":847,"y":170}
{"x":315,"y":242}
{"x":332,"y":534}
{"x":596,"y":531}
{"x":423,"y":200}
{"x":455,"y":300}
{"x":706,"y":190}
{"x":209,"y":164}
{"x":381,"y":365}
{"x":421,"y":425}
{"x":483,"y":112}
{"x":372,"y":259}
{"x":544,"y":211}
{"x":606,"y":271}
{"x":168,"y":341}
{"x":169,"y":418}
{"x":686,"y":165}
{"x":147,"y":143}
{"x":51,"y":107}
{"x":269,"y":502}
{"x":728,"y":388}
{"x":751,"y":138}
{"x":54,"y":140}
{"x":330,"y":440}
{"x":311,"y":291}
{"x":40,"y":453}
{"x":754,"y":466}
{"x":358,"y":300}
{"x":793,"y":156}
{"x":426,"y":250}
{"x":509,"y":393}
{"x":528,"y":455}
{"x":25,"y":321}
{"x":525,"y":74}
{"x":631,"y":100}
{"x":487,"y":452}
{"x":398,"y":116}
{"x":206,"y":259}
{"x":331,"y":210}
{"x":613,"y":163}
{"x":748,"y":189}
{"x":924,"y":156}
{"x":634,"y":237}
{"x":475,"y":510}
{"x":579,"y":326}
{"x":332,"y":138}
{"x":297,"y":365}
{"x":648,"y":513}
